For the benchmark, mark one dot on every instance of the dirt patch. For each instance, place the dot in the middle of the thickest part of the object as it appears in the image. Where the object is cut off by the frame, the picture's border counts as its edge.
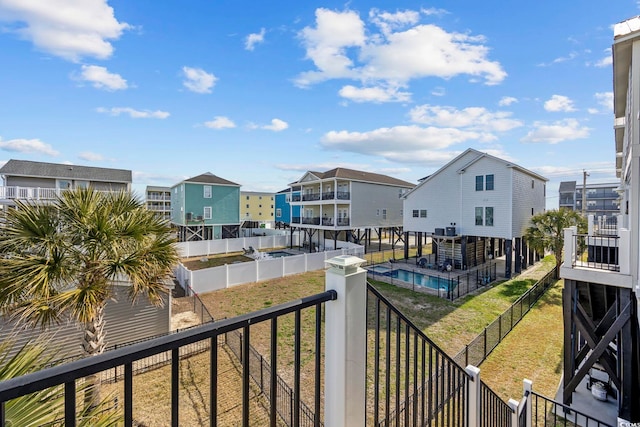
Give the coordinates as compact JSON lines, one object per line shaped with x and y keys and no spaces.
{"x":184,"y":320}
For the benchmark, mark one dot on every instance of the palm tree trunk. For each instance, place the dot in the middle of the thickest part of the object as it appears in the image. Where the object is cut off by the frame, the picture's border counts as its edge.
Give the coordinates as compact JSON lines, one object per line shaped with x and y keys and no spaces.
{"x":93,"y":344}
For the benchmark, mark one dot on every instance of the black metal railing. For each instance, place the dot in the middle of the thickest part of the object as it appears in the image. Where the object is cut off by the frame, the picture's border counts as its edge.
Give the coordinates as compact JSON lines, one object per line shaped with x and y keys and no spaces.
{"x":312,"y":220}
{"x":410,"y":380}
{"x":547,"y":412}
{"x":482,"y":345}
{"x":328,"y":195}
{"x":494,"y":411}
{"x":69,"y":374}
{"x":598,"y":252}
{"x":342,"y":222}
{"x":343,"y":195}
{"x":296,"y":219}
{"x":310,"y":197}
{"x":296,"y":198}
{"x":327,"y":221}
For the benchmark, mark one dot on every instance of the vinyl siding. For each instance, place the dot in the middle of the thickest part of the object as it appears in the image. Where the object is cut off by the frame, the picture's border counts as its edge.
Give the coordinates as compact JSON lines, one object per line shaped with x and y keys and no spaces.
{"x":225,"y":203}
{"x":23,"y":181}
{"x":525,"y":198}
{"x":125,"y":322}
{"x":366,"y":199}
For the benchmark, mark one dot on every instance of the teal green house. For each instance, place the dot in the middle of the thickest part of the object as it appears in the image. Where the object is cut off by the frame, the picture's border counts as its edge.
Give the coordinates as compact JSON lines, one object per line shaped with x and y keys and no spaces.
{"x":205,"y":207}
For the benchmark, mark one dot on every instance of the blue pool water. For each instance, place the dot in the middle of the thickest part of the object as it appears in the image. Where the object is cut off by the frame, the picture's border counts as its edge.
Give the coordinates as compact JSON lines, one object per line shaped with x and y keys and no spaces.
{"x":279,"y":254}
{"x":420,"y":279}
{"x":379,"y":269}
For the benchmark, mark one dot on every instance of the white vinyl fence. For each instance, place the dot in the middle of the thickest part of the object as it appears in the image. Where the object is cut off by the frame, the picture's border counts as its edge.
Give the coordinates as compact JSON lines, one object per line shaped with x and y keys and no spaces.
{"x":224,"y":246}
{"x":212,"y":279}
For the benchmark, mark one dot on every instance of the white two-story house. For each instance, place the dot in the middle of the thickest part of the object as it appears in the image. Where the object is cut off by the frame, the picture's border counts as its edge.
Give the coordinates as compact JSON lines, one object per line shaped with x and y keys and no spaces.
{"x":477,"y":206}
{"x":346,"y":204}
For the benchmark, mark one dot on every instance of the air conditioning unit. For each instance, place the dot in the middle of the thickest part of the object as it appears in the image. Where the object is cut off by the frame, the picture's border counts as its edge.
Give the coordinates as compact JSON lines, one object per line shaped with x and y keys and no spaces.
{"x":439,"y":232}
{"x":199,"y":218}
{"x":451,"y":231}
{"x":189,"y":216}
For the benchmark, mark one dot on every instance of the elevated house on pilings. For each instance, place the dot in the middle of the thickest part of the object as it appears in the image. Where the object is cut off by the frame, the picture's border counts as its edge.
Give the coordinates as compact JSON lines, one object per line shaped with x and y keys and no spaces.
{"x":475,"y":208}
{"x":601,"y":270}
{"x":206,"y":207}
{"x":347,"y":205}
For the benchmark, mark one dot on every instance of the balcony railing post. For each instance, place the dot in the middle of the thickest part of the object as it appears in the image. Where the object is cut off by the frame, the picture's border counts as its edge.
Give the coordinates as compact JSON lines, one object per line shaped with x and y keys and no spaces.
{"x":624,"y":250}
{"x":590,"y":224}
{"x":526,"y":391}
{"x":345,"y":343}
{"x":569,"y":250}
{"x":474,"y":395}
{"x":514,"y":404}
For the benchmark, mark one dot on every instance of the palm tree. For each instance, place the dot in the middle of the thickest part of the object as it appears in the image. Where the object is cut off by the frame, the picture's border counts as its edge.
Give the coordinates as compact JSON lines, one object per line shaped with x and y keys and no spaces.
{"x":547,"y":231}
{"x":46,"y":407}
{"x":64,"y":259}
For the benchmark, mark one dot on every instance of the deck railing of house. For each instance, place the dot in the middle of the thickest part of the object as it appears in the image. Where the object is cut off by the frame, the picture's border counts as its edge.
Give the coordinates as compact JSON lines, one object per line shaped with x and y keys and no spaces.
{"x":308,"y":197}
{"x":343,"y":195}
{"x":296,"y":198}
{"x":65,"y":376}
{"x":546,"y":412}
{"x":29,"y":193}
{"x":410,"y":379}
{"x":311,"y":220}
{"x":599,"y":252}
{"x":342,"y":222}
{"x":604,"y":225}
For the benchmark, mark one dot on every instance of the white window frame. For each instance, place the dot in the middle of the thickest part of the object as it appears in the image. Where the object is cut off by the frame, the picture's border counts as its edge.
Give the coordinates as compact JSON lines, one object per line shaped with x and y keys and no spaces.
{"x":208,"y":212}
{"x":207,"y":191}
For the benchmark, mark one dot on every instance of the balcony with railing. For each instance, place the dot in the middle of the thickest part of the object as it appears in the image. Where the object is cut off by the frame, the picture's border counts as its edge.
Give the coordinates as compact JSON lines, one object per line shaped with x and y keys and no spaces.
{"x":600,"y":256}
{"x":311,"y":220}
{"x":351,"y":360}
{"x":311,"y":197}
{"x":29,"y":193}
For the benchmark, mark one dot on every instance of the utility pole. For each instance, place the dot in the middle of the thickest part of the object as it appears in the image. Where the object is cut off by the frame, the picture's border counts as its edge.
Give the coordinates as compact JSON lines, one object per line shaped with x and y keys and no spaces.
{"x":585,"y":174}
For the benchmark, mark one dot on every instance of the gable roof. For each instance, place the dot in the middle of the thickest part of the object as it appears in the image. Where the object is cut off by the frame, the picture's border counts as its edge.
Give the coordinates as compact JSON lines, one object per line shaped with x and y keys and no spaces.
{"x":56,"y":170}
{"x":209,"y":178}
{"x":478,"y":155}
{"x":567,"y":187}
{"x":355,"y":175}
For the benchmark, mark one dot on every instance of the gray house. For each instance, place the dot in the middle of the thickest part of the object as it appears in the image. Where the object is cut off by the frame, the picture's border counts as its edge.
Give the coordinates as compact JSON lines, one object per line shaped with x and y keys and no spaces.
{"x":347,"y":204}
{"x":40,"y":181}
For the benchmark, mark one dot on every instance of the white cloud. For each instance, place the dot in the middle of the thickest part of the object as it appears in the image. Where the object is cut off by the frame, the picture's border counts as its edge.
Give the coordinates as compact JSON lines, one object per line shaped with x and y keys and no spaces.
{"x":253,"y":39}
{"x":474,"y":118}
{"x":559,"y":103}
{"x":90,"y":156}
{"x":101,"y":78}
{"x":374,"y":94}
{"x":276,"y":125}
{"x":134,"y":114}
{"x":606,"y":61}
{"x":27,"y":146}
{"x":439,"y":91}
{"x":341,"y":47}
{"x":68,"y":29}
{"x":197,"y":80}
{"x":553,"y":133}
{"x":433,"y":11}
{"x":605,"y":99}
{"x":409,"y":144}
{"x":220,"y":122}
{"x":505,"y":101}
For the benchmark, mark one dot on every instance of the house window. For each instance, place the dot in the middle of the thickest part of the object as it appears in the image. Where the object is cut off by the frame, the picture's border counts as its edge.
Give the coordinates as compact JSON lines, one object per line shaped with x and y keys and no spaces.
{"x":533,"y":183}
{"x":278,"y":213}
{"x":401,"y":212}
{"x":207,"y":212}
{"x":423,"y":213}
{"x":416,"y":213}
{"x":377,"y":212}
{"x":479,"y":182}
{"x":260,"y":214}
{"x":532,"y":211}
{"x":260,"y":197}
{"x":247,"y":197}
{"x":489,"y":182}
{"x":207,"y":191}
{"x":384,"y":214}
{"x":81,"y":184}
{"x":478,"y":216}
{"x":247,"y":205}
{"x":259,"y":206}
{"x":488,"y":217}
{"x":271,"y":206}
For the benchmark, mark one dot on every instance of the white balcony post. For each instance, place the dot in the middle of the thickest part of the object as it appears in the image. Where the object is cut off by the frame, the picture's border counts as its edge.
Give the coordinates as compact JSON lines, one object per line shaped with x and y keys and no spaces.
{"x":624,"y":251}
{"x":527,"y":389}
{"x":569,"y":255}
{"x":474,"y":395}
{"x":590,"y":224}
{"x":514,"y":405}
{"x":345,"y":343}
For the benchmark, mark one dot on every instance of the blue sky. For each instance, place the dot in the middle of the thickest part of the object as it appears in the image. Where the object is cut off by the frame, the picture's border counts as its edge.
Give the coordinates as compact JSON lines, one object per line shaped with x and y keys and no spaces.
{"x":260,"y":92}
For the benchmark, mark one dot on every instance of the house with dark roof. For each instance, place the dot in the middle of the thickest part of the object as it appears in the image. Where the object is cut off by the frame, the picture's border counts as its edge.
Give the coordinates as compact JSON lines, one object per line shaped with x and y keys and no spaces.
{"x":206,"y":207}
{"x":476,"y":206}
{"x":41,"y":181}
{"x":346,"y":204}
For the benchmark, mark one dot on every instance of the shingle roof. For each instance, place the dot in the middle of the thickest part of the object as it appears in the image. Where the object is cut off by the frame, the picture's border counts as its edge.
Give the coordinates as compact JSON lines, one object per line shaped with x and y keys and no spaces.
{"x":567,"y":187}
{"x":57,"y":170}
{"x":209,"y":178}
{"x":355,"y":175}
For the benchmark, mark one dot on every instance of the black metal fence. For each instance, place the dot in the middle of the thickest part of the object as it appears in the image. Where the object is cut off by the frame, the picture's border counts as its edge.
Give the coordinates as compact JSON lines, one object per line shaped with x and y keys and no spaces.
{"x":410,"y":380}
{"x":444,"y":284}
{"x":482,"y":345}
{"x":494,"y":411}
{"x":547,"y":412}
{"x":206,"y":335}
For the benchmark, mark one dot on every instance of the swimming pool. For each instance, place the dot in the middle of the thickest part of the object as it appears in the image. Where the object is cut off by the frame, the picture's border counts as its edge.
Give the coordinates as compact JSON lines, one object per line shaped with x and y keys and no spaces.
{"x":379,"y":269}
{"x":419,"y":279}
{"x":279,"y":254}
